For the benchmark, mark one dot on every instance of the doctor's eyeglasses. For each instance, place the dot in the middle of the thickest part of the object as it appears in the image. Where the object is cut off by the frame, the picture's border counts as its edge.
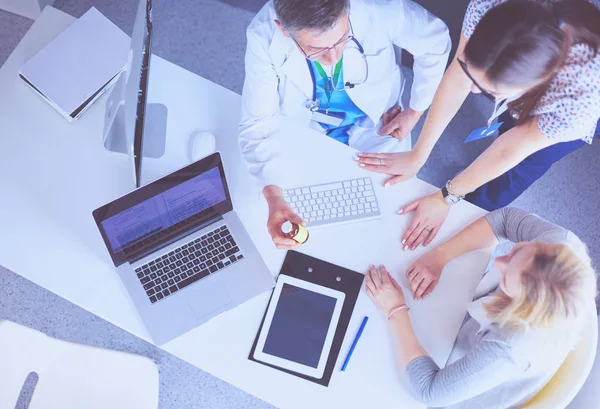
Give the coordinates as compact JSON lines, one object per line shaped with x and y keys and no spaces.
{"x":324,"y":51}
{"x":349,"y":37}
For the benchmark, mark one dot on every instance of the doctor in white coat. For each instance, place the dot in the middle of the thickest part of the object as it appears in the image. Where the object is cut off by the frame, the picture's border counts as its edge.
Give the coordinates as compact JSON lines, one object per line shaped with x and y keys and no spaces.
{"x":331,"y":65}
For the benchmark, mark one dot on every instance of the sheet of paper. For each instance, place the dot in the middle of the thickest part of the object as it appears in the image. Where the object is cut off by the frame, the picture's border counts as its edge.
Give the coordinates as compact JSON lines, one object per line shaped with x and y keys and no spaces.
{"x":79,"y":61}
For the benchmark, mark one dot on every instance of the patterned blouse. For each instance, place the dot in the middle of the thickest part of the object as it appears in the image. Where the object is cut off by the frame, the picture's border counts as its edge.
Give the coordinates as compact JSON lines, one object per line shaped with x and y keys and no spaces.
{"x":570,"y":109}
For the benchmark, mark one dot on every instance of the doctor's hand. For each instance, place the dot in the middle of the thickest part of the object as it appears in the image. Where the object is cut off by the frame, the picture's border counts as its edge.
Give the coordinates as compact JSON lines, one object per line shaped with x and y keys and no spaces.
{"x":430,"y":213}
{"x":399,"y":123}
{"x":383,"y":290}
{"x":402,"y":165}
{"x":424,"y":274}
{"x":280,"y":212}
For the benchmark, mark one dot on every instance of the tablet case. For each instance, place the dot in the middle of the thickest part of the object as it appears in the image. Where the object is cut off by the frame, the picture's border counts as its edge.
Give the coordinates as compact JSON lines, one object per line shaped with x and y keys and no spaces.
{"x":328,"y":275}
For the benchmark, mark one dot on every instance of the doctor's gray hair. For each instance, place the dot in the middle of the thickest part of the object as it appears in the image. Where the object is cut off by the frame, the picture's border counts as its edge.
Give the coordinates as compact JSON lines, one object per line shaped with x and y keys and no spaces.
{"x":312,"y":15}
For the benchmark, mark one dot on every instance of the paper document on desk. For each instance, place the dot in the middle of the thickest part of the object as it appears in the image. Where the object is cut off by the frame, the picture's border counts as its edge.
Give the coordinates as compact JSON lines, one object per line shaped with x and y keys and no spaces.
{"x":75,"y":68}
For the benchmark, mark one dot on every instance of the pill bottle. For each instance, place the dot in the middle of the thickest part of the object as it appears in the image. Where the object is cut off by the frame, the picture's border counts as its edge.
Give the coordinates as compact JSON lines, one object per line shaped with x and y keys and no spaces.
{"x":295,"y":231}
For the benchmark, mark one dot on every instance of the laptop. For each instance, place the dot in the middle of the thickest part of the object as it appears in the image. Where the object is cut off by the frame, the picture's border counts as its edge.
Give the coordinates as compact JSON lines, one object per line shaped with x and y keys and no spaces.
{"x":181,"y":251}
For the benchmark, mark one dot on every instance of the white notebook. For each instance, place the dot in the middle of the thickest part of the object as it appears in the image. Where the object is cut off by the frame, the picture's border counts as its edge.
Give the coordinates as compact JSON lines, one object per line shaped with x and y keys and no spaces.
{"x":73,"y":70}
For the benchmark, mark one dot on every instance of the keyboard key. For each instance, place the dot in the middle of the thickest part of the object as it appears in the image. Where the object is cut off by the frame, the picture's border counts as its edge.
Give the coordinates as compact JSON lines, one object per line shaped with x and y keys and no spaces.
{"x":159,"y":265}
{"x":153,"y":276}
{"x":166,"y":292}
{"x":215,"y":259}
{"x":171,"y":275}
{"x":160,"y":296}
{"x":151,"y":263}
{"x":202,"y":259}
{"x":190,"y":265}
{"x":160,"y":279}
{"x":172,"y":259}
{"x":196,"y":262}
{"x":163,"y":285}
{"x":227,"y":262}
{"x":173,"y":288}
{"x":232,"y":251}
{"x":209,"y":263}
{"x":185,"y":252}
{"x":171,"y":282}
{"x":150,"y":291}
{"x":203,"y":265}
{"x":178,"y":250}
{"x":153,"y":299}
{"x":178,"y":263}
{"x":213,"y":268}
{"x":220,"y":265}
{"x":192,"y":279}
{"x":153,"y":268}
{"x":140,"y":274}
{"x":178,"y":279}
{"x":145,"y":280}
{"x":139,"y":269}
{"x":211,"y":247}
{"x":148,"y":286}
{"x":179,"y":256}
{"x":240,"y":256}
{"x":232,"y":258}
{"x":204,"y":242}
{"x":183,"y":275}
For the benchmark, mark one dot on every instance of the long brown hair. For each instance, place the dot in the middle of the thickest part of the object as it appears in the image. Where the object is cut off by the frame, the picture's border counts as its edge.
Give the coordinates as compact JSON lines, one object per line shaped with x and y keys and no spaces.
{"x":520,"y":43}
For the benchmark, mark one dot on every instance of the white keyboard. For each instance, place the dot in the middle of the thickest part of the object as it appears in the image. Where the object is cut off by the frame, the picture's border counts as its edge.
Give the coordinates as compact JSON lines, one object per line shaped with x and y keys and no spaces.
{"x":334,"y":203}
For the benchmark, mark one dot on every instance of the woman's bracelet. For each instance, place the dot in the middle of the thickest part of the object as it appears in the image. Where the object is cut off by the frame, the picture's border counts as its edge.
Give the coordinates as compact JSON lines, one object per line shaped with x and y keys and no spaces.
{"x":395,"y":310}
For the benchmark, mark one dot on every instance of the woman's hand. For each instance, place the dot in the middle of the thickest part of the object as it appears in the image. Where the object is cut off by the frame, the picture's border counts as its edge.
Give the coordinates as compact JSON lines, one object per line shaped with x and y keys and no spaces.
{"x":430,"y":213}
{"x":383,"y":289}
{"x":424,"y":274}
{"x":402,"y":165}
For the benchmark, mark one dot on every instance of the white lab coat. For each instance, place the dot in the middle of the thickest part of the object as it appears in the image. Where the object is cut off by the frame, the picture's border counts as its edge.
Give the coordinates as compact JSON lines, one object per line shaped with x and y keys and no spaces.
{"x":278,"y":83}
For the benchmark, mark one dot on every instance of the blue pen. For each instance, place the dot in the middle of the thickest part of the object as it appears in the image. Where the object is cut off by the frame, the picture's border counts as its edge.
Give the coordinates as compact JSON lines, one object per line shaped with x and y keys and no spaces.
{"x":360,"y":331}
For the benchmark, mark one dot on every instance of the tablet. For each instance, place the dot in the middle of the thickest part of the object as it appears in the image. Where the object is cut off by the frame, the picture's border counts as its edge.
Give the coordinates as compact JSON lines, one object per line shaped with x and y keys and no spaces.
{"x":299,"y":326}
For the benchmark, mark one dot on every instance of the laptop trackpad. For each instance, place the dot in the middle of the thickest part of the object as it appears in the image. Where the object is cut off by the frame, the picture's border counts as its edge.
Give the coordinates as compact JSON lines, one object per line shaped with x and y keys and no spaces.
{"x":208,"y":298}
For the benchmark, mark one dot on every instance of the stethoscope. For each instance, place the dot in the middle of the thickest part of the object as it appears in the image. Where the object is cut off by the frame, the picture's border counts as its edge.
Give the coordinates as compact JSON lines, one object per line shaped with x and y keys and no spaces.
{"x":314,"y":104}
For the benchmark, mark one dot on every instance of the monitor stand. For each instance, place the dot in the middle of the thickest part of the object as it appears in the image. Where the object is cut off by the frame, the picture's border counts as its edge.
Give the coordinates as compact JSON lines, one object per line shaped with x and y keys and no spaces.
{"x":155,"y":132}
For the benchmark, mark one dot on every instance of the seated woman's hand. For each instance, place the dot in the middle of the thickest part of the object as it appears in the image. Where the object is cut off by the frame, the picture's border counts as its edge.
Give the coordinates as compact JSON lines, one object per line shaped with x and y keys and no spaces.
{"x":424,"y":274}
{"x":383,"y":289}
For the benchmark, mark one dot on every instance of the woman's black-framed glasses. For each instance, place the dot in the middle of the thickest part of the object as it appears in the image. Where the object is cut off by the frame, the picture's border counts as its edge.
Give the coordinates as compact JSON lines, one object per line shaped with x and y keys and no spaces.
{"x":484,"y":92}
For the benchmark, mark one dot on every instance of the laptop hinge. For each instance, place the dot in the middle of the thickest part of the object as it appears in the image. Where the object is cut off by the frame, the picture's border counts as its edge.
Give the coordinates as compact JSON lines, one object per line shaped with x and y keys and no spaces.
{"x":174,"y":239}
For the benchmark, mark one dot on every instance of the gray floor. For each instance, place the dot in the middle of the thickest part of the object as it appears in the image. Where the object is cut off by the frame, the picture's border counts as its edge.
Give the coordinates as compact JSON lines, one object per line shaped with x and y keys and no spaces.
{"x":196,"y":34}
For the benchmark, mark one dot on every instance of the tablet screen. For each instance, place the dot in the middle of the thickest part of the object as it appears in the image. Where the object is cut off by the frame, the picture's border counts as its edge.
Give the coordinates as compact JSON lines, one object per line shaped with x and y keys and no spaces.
{"x":300,"y":325}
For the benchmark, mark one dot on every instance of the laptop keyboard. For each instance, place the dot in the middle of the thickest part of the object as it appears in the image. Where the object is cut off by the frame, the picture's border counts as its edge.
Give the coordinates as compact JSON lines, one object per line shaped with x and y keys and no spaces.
{"x":189,"y":263}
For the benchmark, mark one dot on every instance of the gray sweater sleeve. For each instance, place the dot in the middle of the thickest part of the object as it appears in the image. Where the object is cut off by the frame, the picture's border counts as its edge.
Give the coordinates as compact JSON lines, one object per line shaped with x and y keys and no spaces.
{"x":516,"y":225}
{"x":482,"y":369}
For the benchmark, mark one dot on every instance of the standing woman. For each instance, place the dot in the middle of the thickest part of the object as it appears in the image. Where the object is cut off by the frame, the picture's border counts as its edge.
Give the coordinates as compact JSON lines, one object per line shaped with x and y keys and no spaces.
{"x":539,"y":61}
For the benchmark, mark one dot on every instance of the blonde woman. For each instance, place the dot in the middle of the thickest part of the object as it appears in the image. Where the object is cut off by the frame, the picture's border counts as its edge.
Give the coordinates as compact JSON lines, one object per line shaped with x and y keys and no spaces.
{"x":527,"y":314}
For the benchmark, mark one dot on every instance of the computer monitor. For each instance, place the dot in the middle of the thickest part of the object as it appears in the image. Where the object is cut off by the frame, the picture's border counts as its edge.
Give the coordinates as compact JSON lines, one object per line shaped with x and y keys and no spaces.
{"x":132,"y":125}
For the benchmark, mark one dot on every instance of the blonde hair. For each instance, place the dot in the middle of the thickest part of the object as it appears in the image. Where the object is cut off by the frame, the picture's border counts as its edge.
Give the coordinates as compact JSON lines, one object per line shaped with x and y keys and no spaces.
{"x":557,"y":289}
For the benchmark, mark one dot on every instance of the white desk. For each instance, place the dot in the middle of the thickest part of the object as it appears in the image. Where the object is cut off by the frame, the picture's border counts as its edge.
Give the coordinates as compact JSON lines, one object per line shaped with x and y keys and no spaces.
{"x":53,"y":174}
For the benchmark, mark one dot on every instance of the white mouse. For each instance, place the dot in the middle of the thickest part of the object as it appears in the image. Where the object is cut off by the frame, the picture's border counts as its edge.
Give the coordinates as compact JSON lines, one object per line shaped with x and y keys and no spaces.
{"x":202,"y":144}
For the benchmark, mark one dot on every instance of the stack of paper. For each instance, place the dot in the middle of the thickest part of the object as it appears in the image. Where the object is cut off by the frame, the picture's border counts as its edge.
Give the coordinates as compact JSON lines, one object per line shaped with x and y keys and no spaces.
{"x":76,"y":68}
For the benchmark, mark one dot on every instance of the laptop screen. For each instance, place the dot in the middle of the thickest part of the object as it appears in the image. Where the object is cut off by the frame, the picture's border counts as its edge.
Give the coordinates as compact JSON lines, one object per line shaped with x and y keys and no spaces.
{"x":164,"y":211}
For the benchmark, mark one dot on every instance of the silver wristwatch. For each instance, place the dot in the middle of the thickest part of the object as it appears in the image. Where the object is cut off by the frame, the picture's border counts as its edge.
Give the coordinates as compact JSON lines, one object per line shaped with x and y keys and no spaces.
{"x":449,"y":196}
